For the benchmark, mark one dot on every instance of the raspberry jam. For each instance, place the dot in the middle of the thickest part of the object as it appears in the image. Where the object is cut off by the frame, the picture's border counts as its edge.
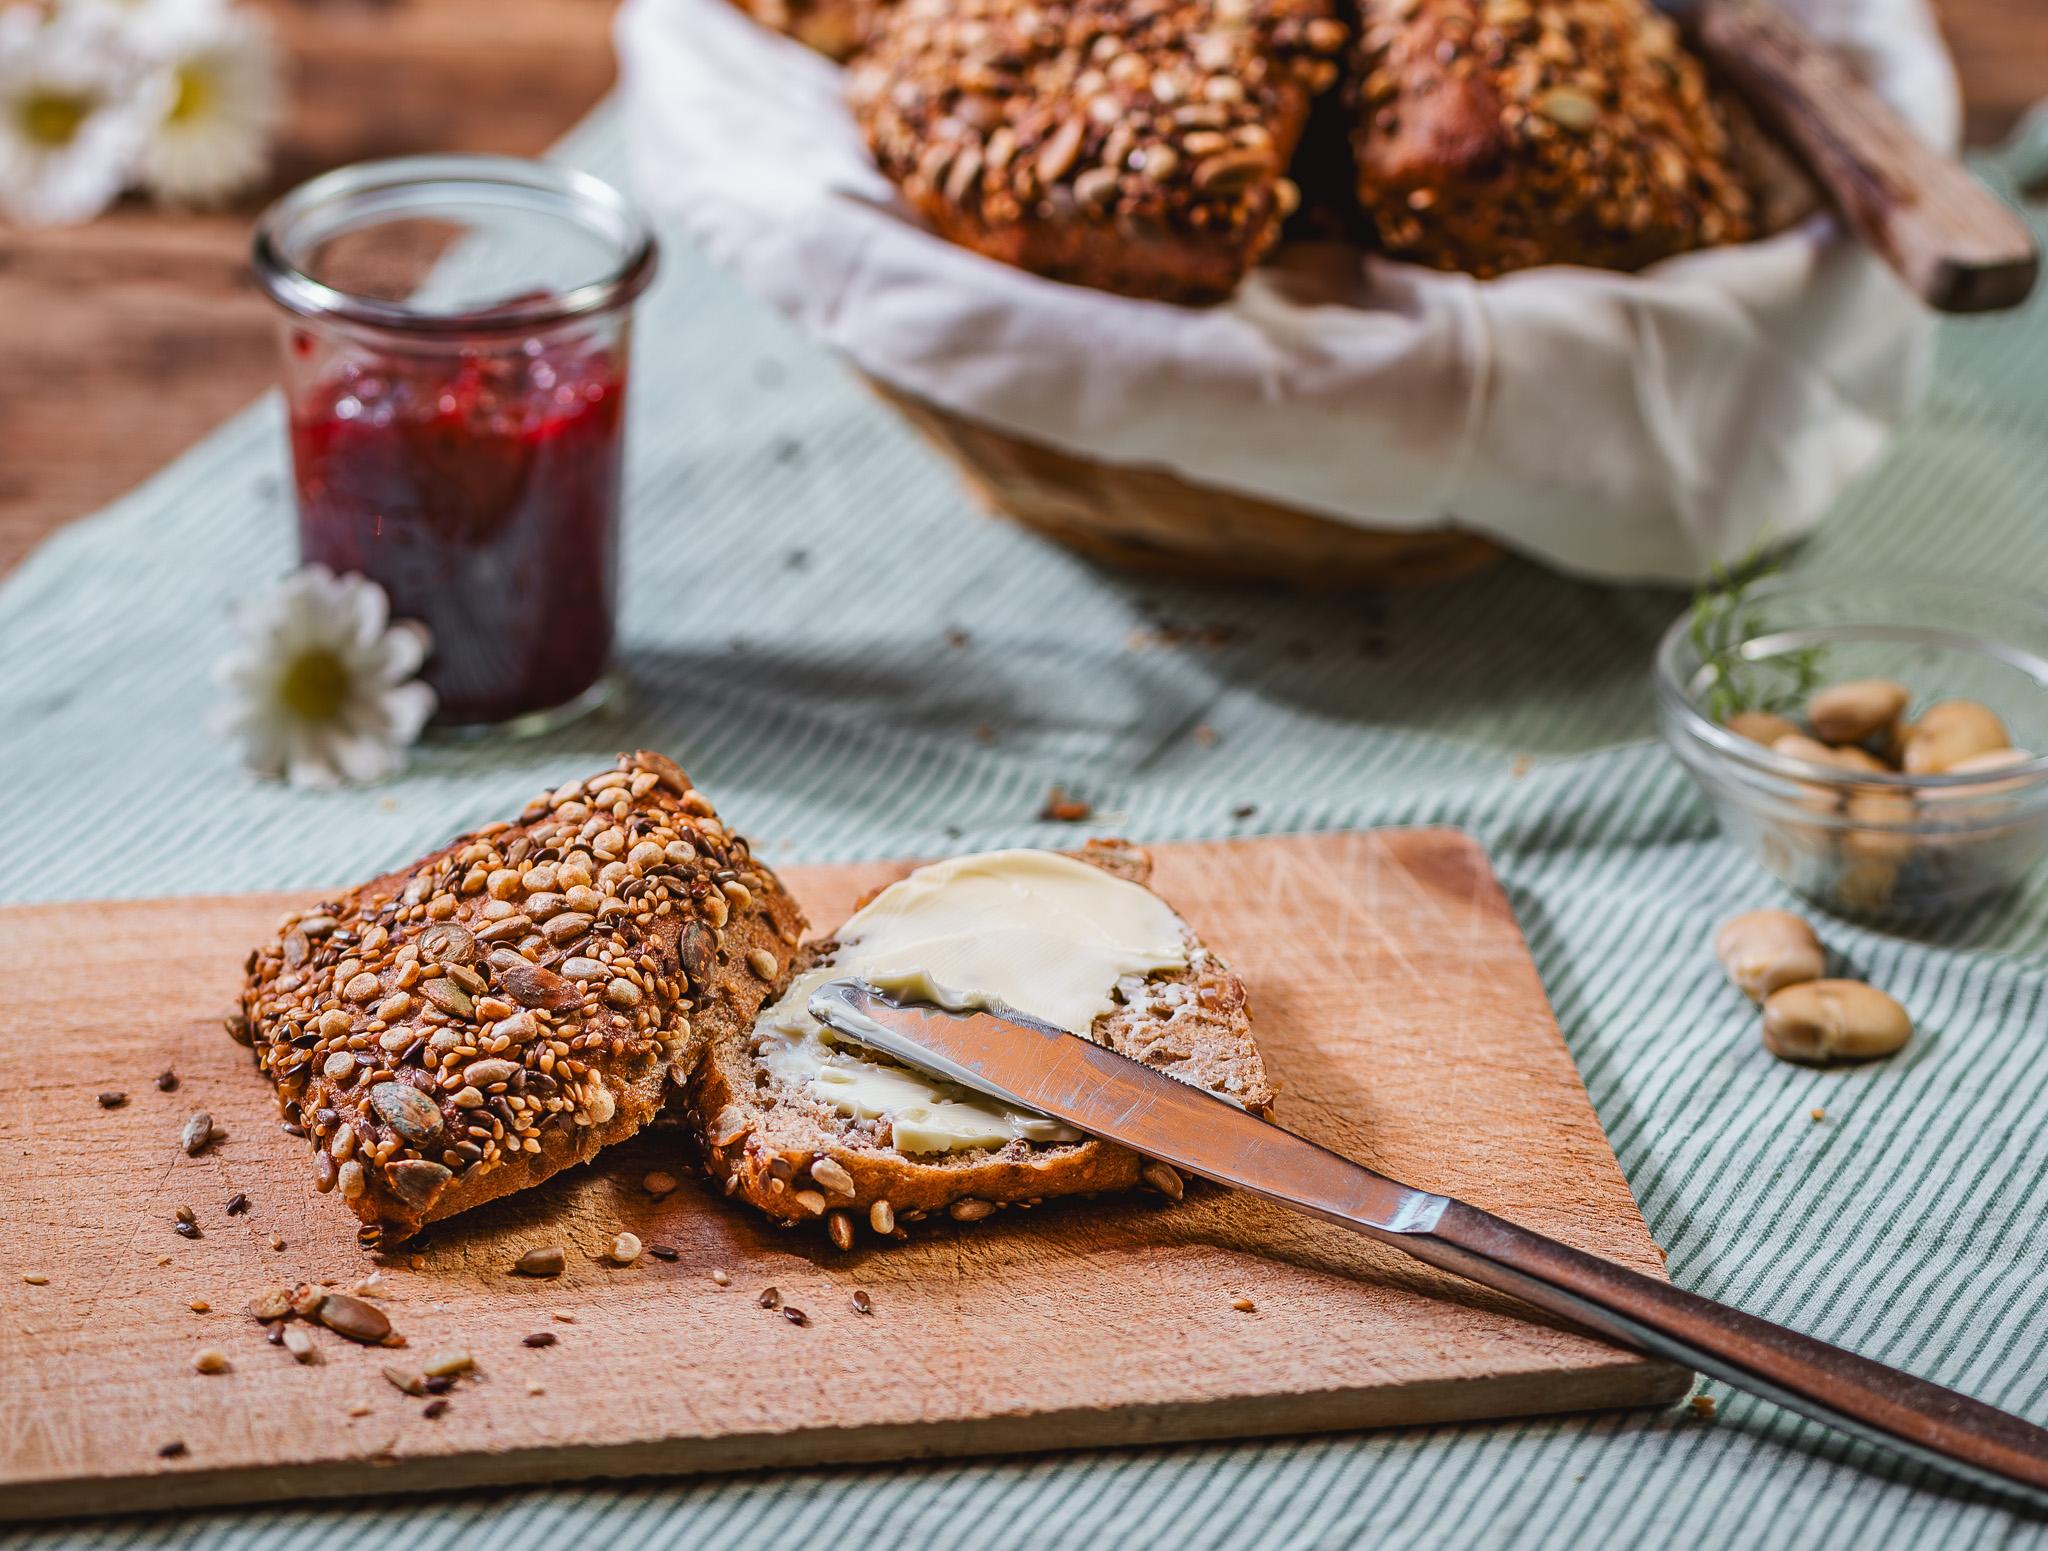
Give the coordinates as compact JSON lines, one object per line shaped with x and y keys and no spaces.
{"x":455,"y":369}
{"x":480,"y":489}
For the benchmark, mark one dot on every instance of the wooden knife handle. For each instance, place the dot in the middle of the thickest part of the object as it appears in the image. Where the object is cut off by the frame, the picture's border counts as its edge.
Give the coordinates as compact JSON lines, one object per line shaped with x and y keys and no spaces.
{"x":1863,"y":1398}
{"x":1959,"y":246}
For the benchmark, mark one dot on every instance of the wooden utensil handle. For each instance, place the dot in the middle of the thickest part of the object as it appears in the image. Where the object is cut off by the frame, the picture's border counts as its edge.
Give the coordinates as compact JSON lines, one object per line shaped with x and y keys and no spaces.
{"x":1950,"y":238}
{"x":1864,"y":1398}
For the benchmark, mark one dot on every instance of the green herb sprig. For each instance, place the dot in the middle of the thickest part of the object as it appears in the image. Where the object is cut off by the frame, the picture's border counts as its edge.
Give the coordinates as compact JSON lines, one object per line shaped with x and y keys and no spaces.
{"x":1724,"y":617}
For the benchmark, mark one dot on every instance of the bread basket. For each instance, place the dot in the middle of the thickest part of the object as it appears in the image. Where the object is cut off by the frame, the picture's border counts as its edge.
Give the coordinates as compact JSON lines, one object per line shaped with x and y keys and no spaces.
{"x":1344,"y":419}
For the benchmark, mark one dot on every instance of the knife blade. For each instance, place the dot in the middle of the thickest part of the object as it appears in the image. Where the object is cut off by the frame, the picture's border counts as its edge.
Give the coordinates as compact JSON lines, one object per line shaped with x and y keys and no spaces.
{"x":1035,"y":1066}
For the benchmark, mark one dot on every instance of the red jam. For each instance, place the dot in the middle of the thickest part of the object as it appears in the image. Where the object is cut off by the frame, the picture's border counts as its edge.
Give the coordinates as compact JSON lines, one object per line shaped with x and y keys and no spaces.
{"x":480,"y":488}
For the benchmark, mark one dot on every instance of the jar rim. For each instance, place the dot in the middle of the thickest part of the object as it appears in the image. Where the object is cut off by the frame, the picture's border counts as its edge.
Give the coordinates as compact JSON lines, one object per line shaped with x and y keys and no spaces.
{"x":572,"y":194}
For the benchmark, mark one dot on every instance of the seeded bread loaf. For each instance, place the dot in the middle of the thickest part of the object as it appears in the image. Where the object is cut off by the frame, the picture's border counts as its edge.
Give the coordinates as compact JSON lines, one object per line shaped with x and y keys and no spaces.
{"x":1492,"y":135}
{"x":1133,"y":146}
{"x":798,"y":1159}
{"x":505,"y":1007}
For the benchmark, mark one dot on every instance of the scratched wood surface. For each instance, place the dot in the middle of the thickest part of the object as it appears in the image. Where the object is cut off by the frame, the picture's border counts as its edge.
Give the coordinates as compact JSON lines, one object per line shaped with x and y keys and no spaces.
{"x":1396,"y":1003}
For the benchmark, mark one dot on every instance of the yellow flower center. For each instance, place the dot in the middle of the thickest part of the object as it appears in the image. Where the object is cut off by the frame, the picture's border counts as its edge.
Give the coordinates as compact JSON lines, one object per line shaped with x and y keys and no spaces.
{"x":315,"y":686}
{"x":52,"y":118}
{"x":194,"y":97}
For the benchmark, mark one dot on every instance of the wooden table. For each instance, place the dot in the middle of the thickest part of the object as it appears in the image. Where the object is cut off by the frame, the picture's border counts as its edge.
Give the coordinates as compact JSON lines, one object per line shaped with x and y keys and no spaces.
{"x":124,"y":341}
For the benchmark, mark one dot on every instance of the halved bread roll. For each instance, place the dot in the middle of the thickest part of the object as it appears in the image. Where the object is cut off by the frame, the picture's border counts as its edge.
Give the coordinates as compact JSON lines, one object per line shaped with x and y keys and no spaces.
{"x":789,"y":1145}
{"x":502,"y":1009}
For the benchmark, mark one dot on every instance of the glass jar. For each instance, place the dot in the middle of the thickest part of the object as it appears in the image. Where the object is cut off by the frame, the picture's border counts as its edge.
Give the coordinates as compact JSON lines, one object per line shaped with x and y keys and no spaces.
{"x":455,"y":376}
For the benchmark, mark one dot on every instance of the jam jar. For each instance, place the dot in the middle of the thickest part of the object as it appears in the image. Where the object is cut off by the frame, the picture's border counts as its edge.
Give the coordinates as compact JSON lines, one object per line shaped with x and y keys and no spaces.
{"x":455,"y":367}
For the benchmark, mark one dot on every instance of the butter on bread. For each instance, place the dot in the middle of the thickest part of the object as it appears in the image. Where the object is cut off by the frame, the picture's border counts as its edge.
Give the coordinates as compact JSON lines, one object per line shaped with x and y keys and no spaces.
{"x":798,"y":1157}
{"x":505,"y":1007}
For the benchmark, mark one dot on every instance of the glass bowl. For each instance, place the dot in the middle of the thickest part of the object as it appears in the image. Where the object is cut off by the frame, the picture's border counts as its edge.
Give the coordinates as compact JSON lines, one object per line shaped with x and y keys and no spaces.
{"x":1887,"y":845}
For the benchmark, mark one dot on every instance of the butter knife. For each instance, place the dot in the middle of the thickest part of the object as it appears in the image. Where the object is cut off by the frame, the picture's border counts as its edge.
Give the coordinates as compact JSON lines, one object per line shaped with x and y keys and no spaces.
{"x":1954,"y":242}
{"x":1038,"y":1067}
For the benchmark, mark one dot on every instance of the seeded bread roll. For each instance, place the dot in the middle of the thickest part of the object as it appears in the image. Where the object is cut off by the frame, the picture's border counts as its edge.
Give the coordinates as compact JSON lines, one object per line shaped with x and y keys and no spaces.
{"x":502,"y":1009}
{"x":835,"y":28}
{"x":1493,"y":135}
{"x":798,"y":1159}
{"x":1138,"y":146}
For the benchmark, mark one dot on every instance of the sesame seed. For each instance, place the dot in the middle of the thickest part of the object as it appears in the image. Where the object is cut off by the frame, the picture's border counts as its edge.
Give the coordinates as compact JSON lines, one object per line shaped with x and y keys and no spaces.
{"x":1243,"y":1305}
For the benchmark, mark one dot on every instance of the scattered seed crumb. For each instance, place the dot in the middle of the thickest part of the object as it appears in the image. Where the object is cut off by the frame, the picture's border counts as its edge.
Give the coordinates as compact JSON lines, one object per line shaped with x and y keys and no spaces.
{"x":1521,"y":767}
{"x":276,"y":1242}
{"x":1062,"y":809}
{"x":770,"y":1298}
{"x":185,"y":1214}
{"x":547,"y":1260}
{"x":862,"y":1303}
{"x":167,"y":1081}
{"x":1817,"y":1114}
{"x":113,"y":1100}
{"x":957,"y":638}
{"x":211,"y":1360}
{"x":298,"y":1340}
{"x":658,"y":1183}
{"x":664,"y":1252}
{"x":1204,"y":734}
{"x":625,"y":1249}
{"x":1244,"y":810}
{"x":984,"y":732}
{"x":387,"y":804}
{"x":1703,"y":1405}
{"x":445,"y":1365}
{"x":1244,"y":1305}
{"x":535,"y":1387}
{"x":541,"y":1338}
{"x":796,"y":1316}
{"x":564,"y":1315}
{"x":722,"y":1278}
{"x":238,"y":1203}
{"x":434,"y":1410}
{"x":175,"y":1449}
{"x":200,"y":1306}
{"x":405,"y":1381}
{"x":35,"y":1278}
{"x":360,"y":1408}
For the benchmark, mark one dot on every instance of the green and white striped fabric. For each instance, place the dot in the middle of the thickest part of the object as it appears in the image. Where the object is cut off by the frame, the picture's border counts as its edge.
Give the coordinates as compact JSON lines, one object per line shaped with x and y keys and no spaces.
{"x":795,"y":564}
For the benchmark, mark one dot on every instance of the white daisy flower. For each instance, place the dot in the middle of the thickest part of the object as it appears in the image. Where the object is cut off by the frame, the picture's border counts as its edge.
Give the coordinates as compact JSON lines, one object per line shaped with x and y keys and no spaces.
{"x":74,"y":114}
{"x":321,"y":685}
{"x":223,"y":105}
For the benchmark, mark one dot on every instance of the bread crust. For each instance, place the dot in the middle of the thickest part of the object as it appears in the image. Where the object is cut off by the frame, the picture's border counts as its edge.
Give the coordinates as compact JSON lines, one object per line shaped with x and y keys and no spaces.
{"x":835,"y":28}
{"x":1133,"y":148}
{"x":1494,"y":135}
{"x":1193,"y":1023}
{"x":503,"y":1008}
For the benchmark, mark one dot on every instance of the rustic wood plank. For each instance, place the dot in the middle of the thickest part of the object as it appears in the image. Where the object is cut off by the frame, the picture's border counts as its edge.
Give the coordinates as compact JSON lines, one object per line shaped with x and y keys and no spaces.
{"x":1397,"y":1006}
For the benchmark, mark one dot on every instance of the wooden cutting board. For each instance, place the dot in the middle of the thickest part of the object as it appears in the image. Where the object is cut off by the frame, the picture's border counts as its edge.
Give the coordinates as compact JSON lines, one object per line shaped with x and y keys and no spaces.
{"x":1396,"y":1004}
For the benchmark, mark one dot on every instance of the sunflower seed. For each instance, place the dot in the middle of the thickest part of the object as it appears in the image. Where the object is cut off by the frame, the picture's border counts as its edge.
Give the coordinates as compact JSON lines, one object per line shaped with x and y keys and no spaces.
{"x":546,"y":1261}
{"x":352,"y":1317}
